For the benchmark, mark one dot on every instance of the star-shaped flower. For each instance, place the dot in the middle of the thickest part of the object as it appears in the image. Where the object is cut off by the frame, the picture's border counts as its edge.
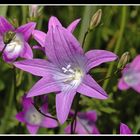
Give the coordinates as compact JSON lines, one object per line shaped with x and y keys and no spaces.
{"x":66,"y":70}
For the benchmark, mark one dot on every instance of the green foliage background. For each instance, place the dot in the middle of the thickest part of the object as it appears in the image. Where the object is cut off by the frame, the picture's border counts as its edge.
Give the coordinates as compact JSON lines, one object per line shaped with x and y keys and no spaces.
{"x":118,"y":32}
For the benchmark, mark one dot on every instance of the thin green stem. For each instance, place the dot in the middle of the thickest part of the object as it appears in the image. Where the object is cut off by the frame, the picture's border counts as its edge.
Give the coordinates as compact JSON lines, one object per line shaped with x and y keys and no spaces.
{"x":3,"y":50}
{"x":118,"y":44}
{"x":84,"y":38}
{"x":9,"y":108}
{"x":43,"y":113}
{"x":15,"y":88}
{"x":73,"y":123}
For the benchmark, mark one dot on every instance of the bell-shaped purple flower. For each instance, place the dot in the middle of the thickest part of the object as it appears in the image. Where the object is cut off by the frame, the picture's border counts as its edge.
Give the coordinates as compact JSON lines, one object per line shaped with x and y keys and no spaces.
{"x":131,"y":76}
{"x":18,"y":46}
{"x":85,"y":123}
{"x":66,"y":70}
{"x":32,"y":118}
{"x":124,"y":129}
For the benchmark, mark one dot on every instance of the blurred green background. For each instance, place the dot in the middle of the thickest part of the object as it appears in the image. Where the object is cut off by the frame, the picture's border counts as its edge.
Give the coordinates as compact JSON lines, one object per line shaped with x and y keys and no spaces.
{"x":119,"y":31}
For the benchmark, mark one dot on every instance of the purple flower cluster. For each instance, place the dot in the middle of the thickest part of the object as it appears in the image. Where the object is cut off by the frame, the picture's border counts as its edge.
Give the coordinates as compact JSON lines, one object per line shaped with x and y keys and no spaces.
{"x":65,"y":72}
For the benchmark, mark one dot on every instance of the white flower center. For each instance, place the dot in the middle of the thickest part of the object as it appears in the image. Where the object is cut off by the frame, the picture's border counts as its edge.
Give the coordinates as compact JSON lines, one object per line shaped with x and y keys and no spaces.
{"x":73,"y":76}
{"x":33,"y":117}
{"x":15,"y":46}
{"x":132,"y":77}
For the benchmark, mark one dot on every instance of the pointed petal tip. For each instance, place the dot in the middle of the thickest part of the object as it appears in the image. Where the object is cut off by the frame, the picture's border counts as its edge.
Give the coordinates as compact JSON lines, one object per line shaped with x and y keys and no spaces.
{"x":53,"y":22}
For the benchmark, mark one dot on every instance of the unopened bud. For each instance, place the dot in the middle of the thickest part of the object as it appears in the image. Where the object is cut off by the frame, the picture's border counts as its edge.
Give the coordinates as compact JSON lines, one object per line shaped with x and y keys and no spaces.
{"x":123,"y":60}
{"x":8,"y":36}
{"x":95,"y":20}
{"x":35,"y":11}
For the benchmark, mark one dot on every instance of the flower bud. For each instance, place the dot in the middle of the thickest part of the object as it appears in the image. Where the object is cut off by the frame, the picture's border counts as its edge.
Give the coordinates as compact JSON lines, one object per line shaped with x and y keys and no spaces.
{"x":123,"y":60}
{"x":33,"y":10}
{"x":95,"y":20}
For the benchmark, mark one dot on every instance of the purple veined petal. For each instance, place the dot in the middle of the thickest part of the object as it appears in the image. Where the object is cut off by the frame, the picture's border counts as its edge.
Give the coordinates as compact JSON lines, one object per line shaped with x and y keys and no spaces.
{"x":63,"y":104}
{"x":79,"y":129}
{"x":43,"y":86}
{"x":53,"y":22}
{"x":20,"y":117}
{"x":90,"y":88}
{"x":48,"y":122}
{"x":26,"y":30}
{"x":27,"y":51}
{"x":97,"y":57}
{"x":5,"y":25}
{"x":61,"y":45}
{"x":37,"y":67}
{"x":32,"y":129}
{"x":73,"y":25}
{"x":122,"y":85}
{"x":39,"y":36}
{"x":26,"y":103}
{"x":136,"y":63}
{"x":44,"y":108}
{"x":124,"y":129}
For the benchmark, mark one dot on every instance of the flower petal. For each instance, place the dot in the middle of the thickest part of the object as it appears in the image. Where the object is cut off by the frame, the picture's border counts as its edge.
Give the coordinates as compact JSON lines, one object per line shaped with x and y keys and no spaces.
{"x":124,"y":129}
{"x":61,"y":45}
{"x":136,"y":88}
{"x":43,"y":86}
{"x":40,"y":37}
{"x":32,"y":129}
{"x":97,"y":57}
{"x":73,"y":25}
{"x":27,"y":51}
{"x":95,"y":130}
{"x":48,"y":122}
{"x":5,"y":25}
{"x":20,"y":117}
{"x":1,"y":43}
{"x":79,"y":129}
{"x":26,"y":29}
{"x":37,"y":67}
{"x":63,"y":104}
{"x":53,"y":22}
{"x":122,"y":85}
{"x":90,"y":115}
{"x":27,"y":103}
{"x":90,"y":88}
{"x":136,"y":63}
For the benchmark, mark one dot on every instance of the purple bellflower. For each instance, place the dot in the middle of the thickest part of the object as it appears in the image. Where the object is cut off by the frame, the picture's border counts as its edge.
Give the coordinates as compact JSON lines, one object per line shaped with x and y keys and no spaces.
{"x":66,"y":70}
{"x":85,"y":123}
{"x":32,"y":118}
{"x":131,"y":76}
{"x":124,"y":129}
{"x":18,"y":46}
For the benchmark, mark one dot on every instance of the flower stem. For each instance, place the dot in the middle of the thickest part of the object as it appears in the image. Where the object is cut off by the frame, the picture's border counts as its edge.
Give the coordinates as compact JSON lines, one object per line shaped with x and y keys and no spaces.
{"x":3,"y":50}
{"x":36,"y":107}
{"x":73,"y":123}
{"x":118,"y":44}
{"x":15,"y":87}
{"x":85,"y":35}
{"x":9,"y":108}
